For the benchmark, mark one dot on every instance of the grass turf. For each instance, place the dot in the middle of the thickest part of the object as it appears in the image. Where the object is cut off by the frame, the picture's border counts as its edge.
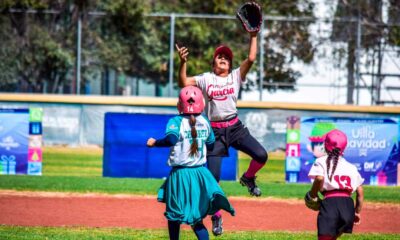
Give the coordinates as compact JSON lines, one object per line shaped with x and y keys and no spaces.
{"x":80,"y":170}
{"x":72,"y":233}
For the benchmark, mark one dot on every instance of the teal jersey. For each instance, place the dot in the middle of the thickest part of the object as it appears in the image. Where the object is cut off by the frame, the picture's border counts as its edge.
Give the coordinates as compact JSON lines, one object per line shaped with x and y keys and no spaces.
{"x":180,"y":127}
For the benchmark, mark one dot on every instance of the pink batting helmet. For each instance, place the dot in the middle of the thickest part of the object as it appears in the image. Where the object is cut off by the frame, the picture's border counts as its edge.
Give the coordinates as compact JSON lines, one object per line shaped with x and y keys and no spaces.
{"x":335,"y":139}
{"x":191,"y":100}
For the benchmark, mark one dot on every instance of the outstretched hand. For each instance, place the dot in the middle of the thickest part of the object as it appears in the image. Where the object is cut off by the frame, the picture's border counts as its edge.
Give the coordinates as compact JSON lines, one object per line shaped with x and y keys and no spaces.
{"x":183,"y":53}
{"x":151,"y":142}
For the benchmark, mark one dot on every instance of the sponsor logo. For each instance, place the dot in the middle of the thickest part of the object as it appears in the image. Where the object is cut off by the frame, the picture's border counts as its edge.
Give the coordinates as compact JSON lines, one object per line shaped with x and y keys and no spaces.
{"x":293,"y":136}
{"x":293,"y":150}
{"x":364,"y":137}
{"x":279,"y":127}
{"x":257,"y":123}
{"x":35,"y":128}
{"x":8,"y":143}
{"x":35,"y":155}
{"x":372,"y":166}
{"x":8,"y":164}
{"x":215,"y":92}
{"x":35,"y":114}
{"x":68,"y":124}
{"x":34,"y":168}
{"x":35,"y":141}
{"x":293,"y":177}
{"x":293,"y":164}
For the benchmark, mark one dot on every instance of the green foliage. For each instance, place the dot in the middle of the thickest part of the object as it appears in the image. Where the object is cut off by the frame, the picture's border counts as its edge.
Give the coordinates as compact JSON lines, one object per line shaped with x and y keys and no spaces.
{"x":34,"y":50}
{"x":394,"y":17}
{"x":125,"y":38}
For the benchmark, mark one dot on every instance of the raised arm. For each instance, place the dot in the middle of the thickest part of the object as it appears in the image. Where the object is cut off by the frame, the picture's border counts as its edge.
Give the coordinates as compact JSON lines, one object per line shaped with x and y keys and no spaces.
{"x":248,"y":62}
{"x":184,"y":80}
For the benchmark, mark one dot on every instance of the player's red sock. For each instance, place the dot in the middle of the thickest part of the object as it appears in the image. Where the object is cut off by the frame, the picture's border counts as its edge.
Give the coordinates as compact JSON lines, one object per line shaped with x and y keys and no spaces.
{"x":218,"y":214}
{"x":253,"y":168}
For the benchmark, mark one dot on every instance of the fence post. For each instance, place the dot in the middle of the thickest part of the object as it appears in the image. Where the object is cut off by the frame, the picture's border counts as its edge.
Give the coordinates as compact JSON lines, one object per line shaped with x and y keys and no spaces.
{"x":171,"y":54}
{"x":78,"y":55}
{"x":261,"y":60}
{"x":358,"y":46}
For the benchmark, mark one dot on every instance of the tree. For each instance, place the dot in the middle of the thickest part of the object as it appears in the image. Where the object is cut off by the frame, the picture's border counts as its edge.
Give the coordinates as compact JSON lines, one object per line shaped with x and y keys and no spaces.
{"x":286,"y":42}
{"x":369,"y":15}
{"x":41,"y":50}
{"x":394,"y":22}
{"x":36,"y":52}
{"x":42,"y":45}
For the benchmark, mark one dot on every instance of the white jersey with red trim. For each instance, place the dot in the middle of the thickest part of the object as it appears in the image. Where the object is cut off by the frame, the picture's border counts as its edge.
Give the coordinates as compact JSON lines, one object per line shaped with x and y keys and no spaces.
{"x":345,"y":177}
{"x":220,"y":93}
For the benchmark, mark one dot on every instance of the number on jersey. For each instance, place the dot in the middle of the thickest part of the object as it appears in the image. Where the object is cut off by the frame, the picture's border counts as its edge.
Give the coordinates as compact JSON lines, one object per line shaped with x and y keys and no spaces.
{"x":344,"y":182}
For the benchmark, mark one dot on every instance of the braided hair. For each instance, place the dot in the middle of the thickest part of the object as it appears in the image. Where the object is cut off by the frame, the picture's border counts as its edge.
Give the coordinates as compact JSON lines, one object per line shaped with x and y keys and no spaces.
{"x":194,"y":147}
{"x":334,"y":154}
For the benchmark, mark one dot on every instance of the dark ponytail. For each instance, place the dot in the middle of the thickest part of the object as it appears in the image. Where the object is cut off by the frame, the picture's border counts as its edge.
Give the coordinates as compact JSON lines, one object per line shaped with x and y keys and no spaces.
{"x":334,"y":154}
{"x":194,"y":146}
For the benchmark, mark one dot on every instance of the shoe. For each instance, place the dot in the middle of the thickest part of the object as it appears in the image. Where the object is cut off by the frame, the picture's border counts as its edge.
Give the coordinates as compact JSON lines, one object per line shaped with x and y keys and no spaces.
{"x":250,"y":183}
{"x":216,"y":225}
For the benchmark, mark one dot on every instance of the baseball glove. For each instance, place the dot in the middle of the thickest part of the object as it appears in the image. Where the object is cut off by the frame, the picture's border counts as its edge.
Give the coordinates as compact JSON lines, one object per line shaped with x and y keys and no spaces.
{"x":250,"y":15}
{"x":312,"y":203}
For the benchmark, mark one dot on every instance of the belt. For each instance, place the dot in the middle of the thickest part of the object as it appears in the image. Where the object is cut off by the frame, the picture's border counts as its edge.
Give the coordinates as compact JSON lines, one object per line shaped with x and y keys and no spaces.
{"x":225,"y":124}
{"x":337,"y":193}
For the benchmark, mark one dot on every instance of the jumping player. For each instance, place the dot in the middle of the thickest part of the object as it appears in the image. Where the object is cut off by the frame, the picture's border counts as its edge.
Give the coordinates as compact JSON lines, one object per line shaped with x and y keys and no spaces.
{"x":190,"y":191}
{"x":336,"y":179}
{"x":221,"y":88}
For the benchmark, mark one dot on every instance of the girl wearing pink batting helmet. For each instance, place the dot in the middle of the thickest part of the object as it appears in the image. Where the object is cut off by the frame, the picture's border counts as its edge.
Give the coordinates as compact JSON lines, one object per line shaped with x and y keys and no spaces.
{"x":221,"y":88}
{"x":336,"y":179}
{"x":190,"y":192}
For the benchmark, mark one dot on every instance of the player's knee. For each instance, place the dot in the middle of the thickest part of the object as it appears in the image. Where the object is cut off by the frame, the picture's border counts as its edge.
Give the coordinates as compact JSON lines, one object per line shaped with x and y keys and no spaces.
{"x":261,"y":156}
{"x":198,"y":226}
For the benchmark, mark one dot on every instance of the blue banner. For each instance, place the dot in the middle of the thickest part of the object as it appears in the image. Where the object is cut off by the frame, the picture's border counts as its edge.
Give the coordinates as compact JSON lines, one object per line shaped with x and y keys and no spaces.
{"x":373,"y":147}
{"x":14,"y":132}
{"x":126,"y":153}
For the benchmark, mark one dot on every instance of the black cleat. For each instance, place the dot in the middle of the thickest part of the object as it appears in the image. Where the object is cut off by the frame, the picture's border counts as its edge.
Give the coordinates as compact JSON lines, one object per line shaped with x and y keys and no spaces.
{"x":250,"y":183}
{"x":216,"y":225}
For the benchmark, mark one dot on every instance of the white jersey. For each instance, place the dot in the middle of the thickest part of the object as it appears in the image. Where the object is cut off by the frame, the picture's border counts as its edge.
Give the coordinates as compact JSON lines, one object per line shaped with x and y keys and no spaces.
{"x":180,"y":127}
{"x":346,"y":176}
{"x":221,"y":94}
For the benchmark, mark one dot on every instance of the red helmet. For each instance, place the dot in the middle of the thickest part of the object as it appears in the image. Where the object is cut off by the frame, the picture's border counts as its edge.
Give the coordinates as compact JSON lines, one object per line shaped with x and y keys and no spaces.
{"x":191,"y":100}
{"x":335,"y":139}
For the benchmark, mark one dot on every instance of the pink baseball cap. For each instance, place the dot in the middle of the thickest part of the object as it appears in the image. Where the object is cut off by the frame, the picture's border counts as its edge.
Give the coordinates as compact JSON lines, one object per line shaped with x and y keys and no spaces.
{"x":222,"y":49}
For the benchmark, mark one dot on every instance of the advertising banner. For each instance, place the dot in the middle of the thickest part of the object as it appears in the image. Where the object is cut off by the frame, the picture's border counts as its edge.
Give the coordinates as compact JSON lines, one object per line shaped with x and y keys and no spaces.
{"x":127,"y":155}
{"x":20,"y":141}
{"x":373,"y":147}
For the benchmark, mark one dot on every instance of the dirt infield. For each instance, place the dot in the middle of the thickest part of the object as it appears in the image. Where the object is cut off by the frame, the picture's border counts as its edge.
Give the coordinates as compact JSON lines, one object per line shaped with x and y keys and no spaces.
{"x":141,"y":212}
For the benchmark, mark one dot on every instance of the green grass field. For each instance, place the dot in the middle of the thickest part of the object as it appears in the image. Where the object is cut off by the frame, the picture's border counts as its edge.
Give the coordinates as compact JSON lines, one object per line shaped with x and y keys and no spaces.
{"x":80,"y":170}
{"x":75,"y":233}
